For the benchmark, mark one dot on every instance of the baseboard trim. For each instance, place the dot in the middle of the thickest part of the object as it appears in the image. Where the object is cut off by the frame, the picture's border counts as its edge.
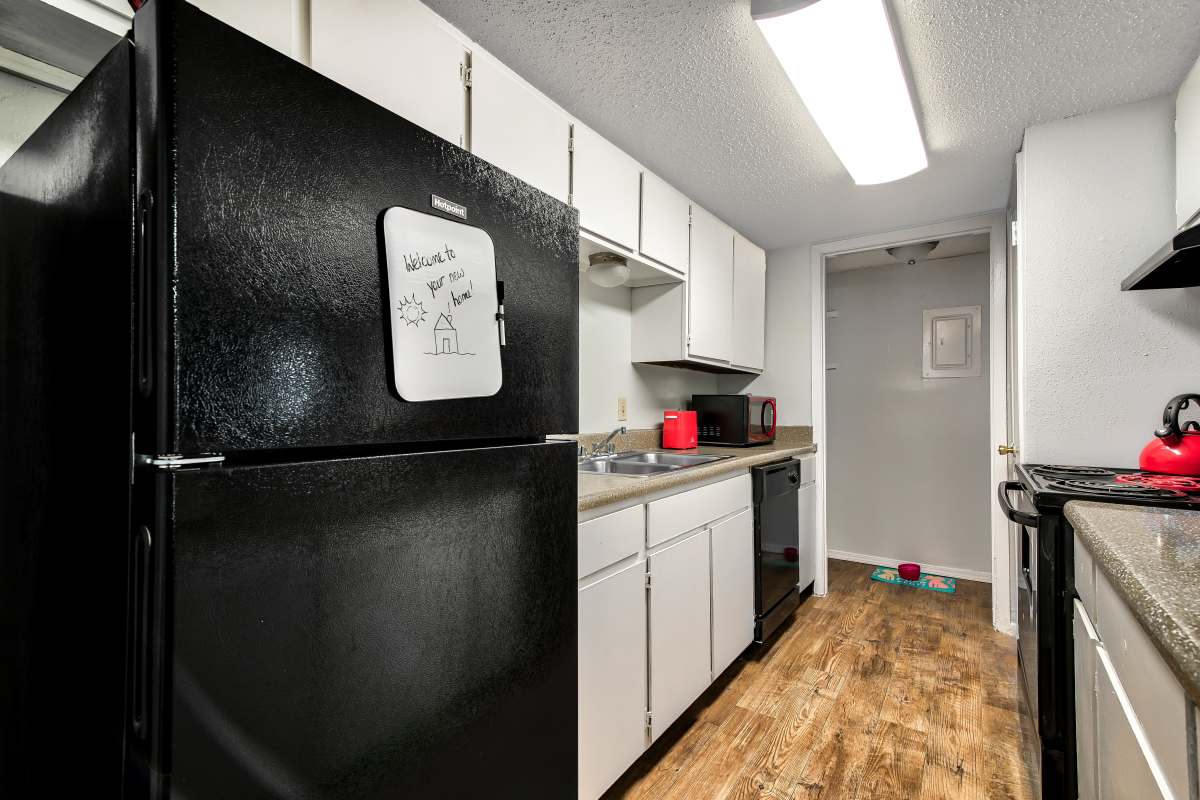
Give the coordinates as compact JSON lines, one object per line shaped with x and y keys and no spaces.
{"x":936,"y":569}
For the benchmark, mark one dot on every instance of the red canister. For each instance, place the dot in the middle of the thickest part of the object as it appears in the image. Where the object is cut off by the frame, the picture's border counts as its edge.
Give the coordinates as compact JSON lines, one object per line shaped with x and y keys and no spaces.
{"x":679,"y":430}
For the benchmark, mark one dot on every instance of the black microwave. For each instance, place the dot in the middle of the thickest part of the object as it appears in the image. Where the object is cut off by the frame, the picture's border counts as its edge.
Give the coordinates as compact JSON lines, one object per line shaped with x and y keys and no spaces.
{"x":737,"y":420}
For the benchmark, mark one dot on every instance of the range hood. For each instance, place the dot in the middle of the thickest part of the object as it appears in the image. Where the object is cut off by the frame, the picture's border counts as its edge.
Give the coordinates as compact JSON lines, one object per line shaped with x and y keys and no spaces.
{"x":1175,"y":265}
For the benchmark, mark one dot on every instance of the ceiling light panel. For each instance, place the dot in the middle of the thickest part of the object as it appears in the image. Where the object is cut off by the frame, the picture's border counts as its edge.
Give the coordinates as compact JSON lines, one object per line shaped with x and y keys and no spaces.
{"x":842,"y":58}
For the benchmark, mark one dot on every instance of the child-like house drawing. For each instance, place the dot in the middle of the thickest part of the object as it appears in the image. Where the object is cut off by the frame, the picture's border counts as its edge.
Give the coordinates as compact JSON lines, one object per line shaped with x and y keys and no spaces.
{"x":445,"y":336}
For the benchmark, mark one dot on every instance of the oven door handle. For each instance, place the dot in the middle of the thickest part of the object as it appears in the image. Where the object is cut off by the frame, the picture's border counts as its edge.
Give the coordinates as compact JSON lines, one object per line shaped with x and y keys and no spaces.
{"x":1019,"y":517}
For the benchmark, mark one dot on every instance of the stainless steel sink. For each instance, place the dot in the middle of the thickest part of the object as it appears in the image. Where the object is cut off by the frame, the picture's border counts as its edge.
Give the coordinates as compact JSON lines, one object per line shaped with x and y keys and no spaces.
{"x":640,"y":464}
{"x":672,"y":459}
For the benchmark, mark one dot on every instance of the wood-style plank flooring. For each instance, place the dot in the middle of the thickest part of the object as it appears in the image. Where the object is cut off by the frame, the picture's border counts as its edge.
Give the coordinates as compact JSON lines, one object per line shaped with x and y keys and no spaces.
{"x":873,"y":691}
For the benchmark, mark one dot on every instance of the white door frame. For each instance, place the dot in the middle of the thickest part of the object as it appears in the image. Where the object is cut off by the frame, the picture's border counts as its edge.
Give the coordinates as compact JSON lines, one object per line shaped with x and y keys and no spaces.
{"x":994,"y":224}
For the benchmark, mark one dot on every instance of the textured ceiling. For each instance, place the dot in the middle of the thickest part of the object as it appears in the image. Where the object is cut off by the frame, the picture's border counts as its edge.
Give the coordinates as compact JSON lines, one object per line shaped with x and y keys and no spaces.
{"x":690,"y":89}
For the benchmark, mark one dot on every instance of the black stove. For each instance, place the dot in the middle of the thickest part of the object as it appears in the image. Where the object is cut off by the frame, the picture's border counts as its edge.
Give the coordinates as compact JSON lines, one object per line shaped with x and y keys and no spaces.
{"x":1052,"y":486}
{"x":1045,"y":580}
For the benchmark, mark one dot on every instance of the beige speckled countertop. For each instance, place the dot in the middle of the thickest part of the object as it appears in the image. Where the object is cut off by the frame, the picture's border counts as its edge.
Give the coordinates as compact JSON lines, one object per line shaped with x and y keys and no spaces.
{"x":1152,"y":558}
{"x":603,"y":490}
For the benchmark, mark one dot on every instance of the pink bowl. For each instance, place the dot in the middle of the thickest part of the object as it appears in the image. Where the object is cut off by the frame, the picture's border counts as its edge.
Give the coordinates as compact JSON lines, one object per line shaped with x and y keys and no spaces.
{"x":910,"y":572}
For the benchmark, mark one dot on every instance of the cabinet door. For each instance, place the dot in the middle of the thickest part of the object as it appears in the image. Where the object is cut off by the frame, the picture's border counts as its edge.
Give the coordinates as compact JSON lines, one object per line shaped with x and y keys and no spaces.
{"x":749,"y":303}
{"x":397,"y":54}
{"x":1125,"y":769}
{"x":1085,"y":702}
{"x":710,"y":288}
{"x":665,"y":221}
{"x":612,"y":678}
{"x":1187,"y":148}
{"x":680,"y":665}
{"x":604,"y":187}
{"x":806,"y":501}
{"x":732,"y":589}
{"x":268,"y":21}
{"x":517,"y":129}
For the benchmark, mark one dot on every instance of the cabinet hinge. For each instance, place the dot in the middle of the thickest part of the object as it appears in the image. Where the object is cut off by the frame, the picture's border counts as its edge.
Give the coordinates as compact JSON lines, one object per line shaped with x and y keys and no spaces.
{"x":464,"y":74}
{"x":647,"y":580}
{"x":570,"y":199}
{"x":649,"y":724}
{"x":1014,"y":230}
{"x":570,"y":144}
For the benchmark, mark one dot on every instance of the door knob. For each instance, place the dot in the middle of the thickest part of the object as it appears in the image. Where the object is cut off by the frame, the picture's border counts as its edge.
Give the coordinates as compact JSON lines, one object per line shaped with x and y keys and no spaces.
{"x":1006,"y":450}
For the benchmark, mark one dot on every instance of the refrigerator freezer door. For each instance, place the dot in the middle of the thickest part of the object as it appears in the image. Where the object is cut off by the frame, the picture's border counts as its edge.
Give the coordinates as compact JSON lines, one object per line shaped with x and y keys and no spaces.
{"x":396,"y":626}
{"x":444,"y":309}
{"x":279,"y":334}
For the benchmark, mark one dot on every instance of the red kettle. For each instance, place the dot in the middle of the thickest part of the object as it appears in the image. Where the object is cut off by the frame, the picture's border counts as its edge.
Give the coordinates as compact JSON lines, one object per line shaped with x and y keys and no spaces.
{"x":1175,"y":450}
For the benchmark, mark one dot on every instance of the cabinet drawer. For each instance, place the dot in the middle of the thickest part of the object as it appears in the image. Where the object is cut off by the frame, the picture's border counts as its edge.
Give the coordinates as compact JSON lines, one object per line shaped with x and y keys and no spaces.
{"x":686,"y":511}
{"x":608,"y":539}
{"x":1155,"y":696}
{"x":1085,"y":578}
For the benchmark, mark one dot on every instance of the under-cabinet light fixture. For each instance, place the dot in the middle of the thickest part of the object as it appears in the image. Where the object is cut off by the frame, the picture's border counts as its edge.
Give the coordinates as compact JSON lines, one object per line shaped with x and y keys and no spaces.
{"x":842,"y":58}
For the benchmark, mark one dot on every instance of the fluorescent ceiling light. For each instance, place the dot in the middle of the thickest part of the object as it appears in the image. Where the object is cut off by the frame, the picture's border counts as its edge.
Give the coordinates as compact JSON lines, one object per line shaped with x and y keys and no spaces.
{"x":841,"y":57}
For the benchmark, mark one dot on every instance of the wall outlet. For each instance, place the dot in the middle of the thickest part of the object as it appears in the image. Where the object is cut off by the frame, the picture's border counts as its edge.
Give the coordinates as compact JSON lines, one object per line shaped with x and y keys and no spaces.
{"x":622,"y":411}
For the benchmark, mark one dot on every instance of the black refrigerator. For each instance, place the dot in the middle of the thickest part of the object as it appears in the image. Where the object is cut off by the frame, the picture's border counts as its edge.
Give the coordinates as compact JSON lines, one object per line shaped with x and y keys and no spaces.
{"x":255,"y":542}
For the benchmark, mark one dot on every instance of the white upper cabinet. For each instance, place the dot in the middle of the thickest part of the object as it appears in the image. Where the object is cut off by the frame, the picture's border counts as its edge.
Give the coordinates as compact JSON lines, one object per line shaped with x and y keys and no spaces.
{"x":749,"y":303}
{"x":396,"y":53}
{"x":516,"y":128}
{"x":710,"y":288}
{"x":1187,"y":147}
{"x":605,"y":185}
{"x":666,"y":215}
{"x":268,"y":21}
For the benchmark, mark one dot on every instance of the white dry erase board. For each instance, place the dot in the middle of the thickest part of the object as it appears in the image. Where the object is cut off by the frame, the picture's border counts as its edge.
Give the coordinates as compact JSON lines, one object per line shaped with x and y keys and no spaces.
{"x":442,"y":296}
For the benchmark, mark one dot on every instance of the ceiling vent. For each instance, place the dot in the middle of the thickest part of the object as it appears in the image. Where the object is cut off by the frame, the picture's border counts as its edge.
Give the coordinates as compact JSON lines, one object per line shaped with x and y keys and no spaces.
{"x":912,"y":253}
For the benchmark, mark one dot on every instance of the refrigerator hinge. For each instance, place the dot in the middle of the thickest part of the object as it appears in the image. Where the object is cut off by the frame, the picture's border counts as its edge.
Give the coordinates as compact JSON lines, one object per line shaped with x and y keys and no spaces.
{"x":176,"y":460}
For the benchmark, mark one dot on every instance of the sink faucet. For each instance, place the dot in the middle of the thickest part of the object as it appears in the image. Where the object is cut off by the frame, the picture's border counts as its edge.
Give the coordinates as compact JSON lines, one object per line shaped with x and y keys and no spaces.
{"x":606,"y":446}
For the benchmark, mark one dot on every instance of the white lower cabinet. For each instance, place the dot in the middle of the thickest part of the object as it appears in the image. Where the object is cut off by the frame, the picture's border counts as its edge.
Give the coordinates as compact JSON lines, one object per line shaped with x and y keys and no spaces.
{"x":732,"y":589}
{"x":1085,"y":702}
{"x":680,"y":666}
{"x":1124,"y":766}
{"x":612,"y":677}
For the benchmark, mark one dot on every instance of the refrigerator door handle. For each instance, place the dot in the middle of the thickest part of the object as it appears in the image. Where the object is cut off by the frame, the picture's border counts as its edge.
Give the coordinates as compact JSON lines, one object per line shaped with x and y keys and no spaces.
{"x":175,"y":460}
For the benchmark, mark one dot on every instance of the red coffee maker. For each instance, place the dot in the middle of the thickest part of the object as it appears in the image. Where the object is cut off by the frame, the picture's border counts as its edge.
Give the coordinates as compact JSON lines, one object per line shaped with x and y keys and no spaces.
{"x":679,"y":430}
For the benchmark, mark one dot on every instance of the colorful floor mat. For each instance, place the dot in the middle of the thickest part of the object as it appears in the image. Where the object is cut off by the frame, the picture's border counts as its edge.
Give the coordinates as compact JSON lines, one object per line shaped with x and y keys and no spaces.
{"x":934,"y":583}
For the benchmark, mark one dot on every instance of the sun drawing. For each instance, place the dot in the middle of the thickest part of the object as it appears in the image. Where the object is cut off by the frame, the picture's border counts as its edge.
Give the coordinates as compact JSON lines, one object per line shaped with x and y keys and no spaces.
{"x":412,"y":310}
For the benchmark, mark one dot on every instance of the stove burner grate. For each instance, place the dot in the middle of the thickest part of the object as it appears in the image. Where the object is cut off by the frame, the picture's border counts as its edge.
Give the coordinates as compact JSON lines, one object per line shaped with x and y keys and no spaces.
{"x":1056,"y":471}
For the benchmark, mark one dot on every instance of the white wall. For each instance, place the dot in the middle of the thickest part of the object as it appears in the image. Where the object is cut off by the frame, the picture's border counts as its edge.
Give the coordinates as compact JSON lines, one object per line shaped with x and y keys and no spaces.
{"x":23,"y":107}
{"x":1098,"y":364}
{"x":787,"y":374}
{"x":606,"y":371}
{"x":907,"y":457}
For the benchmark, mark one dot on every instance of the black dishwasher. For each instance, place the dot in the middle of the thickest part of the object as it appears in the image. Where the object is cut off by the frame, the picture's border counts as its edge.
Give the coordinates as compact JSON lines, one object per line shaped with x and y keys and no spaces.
{"x":776,"y":532}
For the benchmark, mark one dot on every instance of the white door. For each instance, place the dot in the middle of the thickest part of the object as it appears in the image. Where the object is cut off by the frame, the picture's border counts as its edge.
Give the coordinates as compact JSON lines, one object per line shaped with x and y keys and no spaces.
{"x":1124,"y":767}
{"x":517,"y":129}
{"x":680,"y":665}
{"x":749,"y":303}
{"x":268,"y":21}
{"x":665,"y":221}
{"x":605,"y":186}
{"x":1085,"y":702}
{"x":397,"y":54}
{"x":732,"y":589}
{"x":612,"y":678}
{"x":710,"y":288}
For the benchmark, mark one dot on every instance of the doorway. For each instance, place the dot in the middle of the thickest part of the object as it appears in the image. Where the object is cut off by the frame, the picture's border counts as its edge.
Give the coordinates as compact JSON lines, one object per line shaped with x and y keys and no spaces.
{"x":910,"y":398}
